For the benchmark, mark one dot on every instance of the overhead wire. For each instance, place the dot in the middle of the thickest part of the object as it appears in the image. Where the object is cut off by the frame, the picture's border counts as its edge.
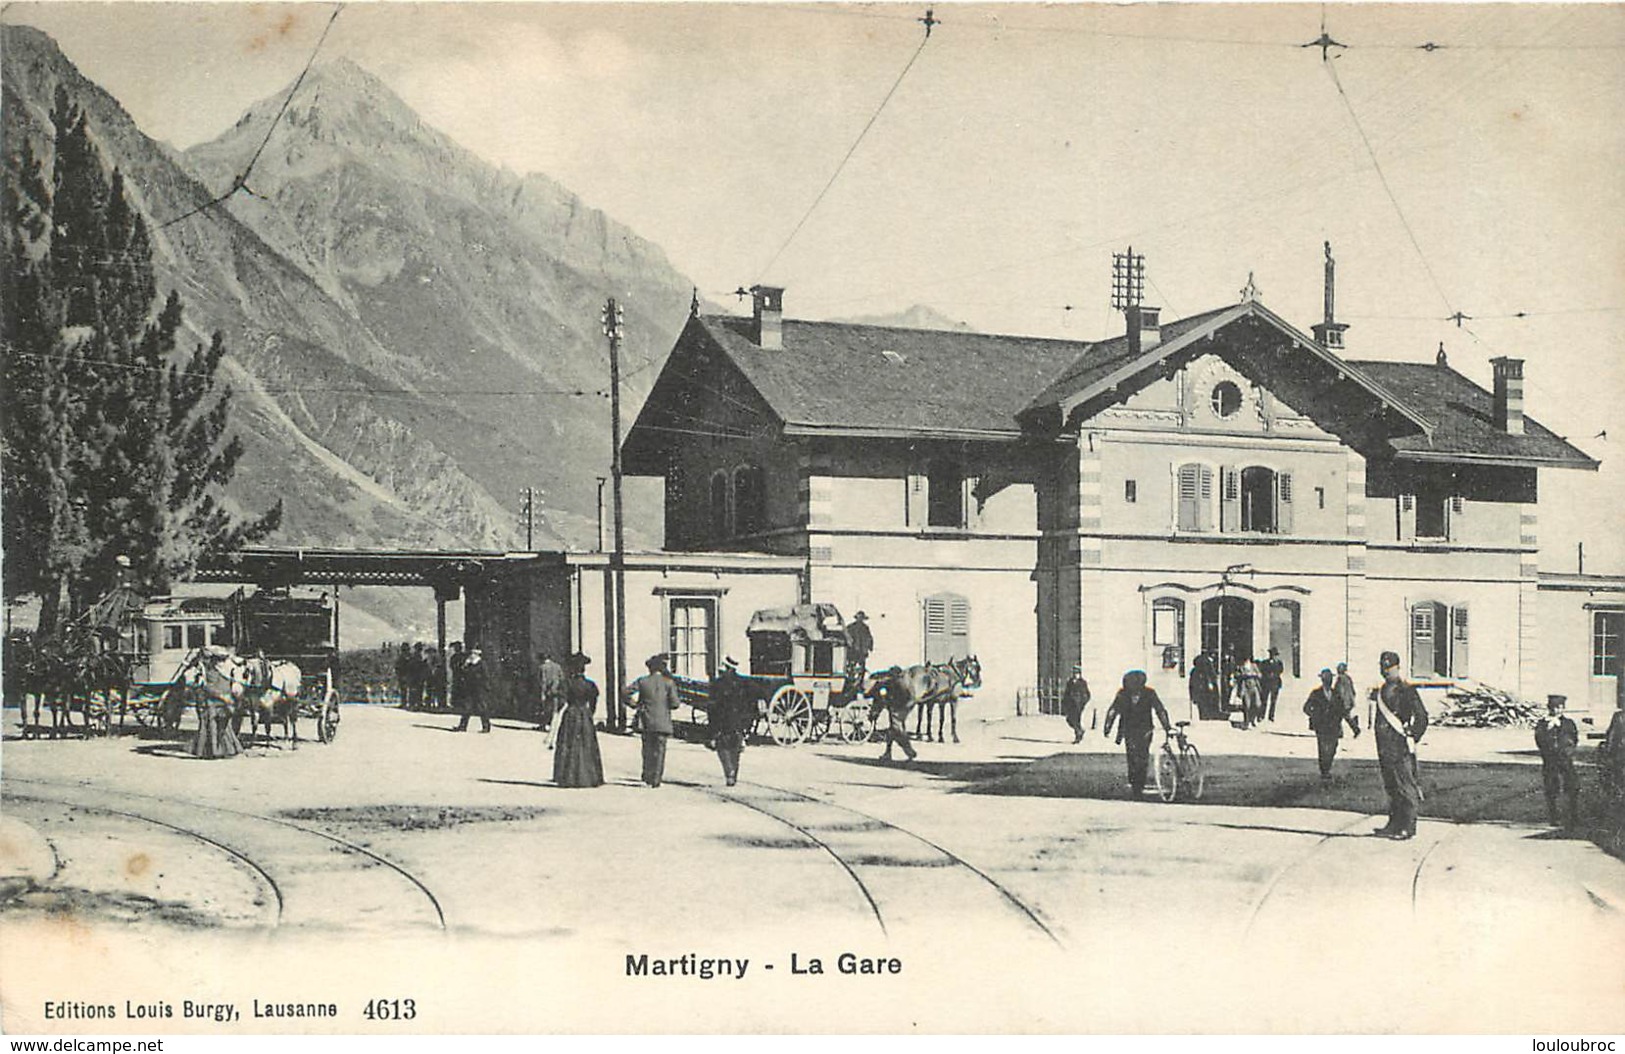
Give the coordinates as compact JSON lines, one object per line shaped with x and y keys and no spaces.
{"x":839,"y":168}
{"x":241,"y":180}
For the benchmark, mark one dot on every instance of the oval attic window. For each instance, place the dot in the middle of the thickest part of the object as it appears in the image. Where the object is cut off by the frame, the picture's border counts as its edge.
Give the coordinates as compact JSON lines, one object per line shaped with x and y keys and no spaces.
{"x":1226,"y":398}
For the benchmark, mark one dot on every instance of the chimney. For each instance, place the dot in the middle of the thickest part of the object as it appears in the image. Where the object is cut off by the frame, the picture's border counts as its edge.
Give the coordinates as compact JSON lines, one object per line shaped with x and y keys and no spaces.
{"x":1329,"y":331}
{"x":1508,"y":395}
{"x":1144,"y":328}
{"x":768,"y":330}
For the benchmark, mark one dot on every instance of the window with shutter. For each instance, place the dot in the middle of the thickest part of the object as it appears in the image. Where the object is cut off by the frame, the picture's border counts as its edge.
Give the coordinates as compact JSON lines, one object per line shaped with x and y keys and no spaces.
{"x":1458,"y":641}
{"x":1283,"y":506}
{"x":1205,"y":506}
{"x":1406,"y":511}
{"x":947,"y":627}
{"x":1230,"y":499}
{"x":1455,"y":519}
{"x":1430,"y":640}
{"x":1190,"y":491}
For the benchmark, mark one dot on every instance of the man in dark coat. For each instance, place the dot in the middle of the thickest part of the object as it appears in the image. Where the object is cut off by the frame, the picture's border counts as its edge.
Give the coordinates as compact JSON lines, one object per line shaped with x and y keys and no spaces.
{"x":403,"y":675}
{"x":1074,"y":697}
{"x":860,"y":643}
{"x":1132,"y":711}
{"x":1271,"y":671}
{"x":454,"y":673}
{"x":1401,"y":722}
{"x":1557,"y":738}
{"x":473,"y":690}
{"x":730,"y":715}
{"x":656,"y":694}
{"x":1326,"y":719}
{"x":1204,"y":687}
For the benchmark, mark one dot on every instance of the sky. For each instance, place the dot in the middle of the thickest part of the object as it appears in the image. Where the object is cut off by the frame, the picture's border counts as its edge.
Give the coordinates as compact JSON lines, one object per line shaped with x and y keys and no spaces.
{"x":1023,"y":145}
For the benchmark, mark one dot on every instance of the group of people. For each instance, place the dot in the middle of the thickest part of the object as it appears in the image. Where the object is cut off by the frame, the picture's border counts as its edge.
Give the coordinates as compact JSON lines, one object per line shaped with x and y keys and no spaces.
{"x":1220,"y":684}
{"x":1136,"y":711}
{"x":570,"y":698}
{"x":420,"y":676}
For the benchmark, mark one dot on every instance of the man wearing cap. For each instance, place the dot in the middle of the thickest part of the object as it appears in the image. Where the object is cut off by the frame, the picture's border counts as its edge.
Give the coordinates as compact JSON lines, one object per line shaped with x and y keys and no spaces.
{"x":1271,"y":670}
{"x":1557,"y":738}
{"x":656,"y":694}
{"x":860,"y":643}
{"x":1074,"y":697}
{"x":1326,"y":717}
{"x":1401,"y":722}
{"x":730,"y":717}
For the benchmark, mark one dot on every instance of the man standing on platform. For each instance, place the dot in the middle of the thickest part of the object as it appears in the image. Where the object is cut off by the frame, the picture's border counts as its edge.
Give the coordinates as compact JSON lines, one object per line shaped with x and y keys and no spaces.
{"x":656,"y":699}
{"x":471,"y":686}
{"x":1346,"y":695}
{"x":1326,"y":717}
{"x":860,"y":644}
{"x":553,"y":694}
{"x":1074,"y":697}
{"x":1271,"y":670}
{"x":730,"y":717}
{"x":1401,"y":722}
{"x":1557,"y":738}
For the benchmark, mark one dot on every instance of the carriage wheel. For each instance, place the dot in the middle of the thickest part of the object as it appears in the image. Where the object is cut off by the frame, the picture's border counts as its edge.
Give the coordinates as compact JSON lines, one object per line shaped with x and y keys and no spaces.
{"x":821,"y":721}
{"x":854,"y":724}
{"x":327,"y":724}
{"x":789,"y":715}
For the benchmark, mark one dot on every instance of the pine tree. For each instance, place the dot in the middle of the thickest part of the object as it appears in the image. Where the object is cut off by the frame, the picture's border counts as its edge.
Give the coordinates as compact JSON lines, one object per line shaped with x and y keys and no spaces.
{"x":113,"y":444}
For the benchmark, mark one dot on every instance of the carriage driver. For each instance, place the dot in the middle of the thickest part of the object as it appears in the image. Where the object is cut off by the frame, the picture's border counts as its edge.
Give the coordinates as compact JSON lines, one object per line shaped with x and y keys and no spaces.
{"x":860,"y":643}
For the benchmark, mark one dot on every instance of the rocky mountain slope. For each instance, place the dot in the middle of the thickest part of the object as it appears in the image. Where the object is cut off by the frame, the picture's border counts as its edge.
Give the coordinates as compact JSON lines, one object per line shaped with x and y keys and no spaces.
{"x":402,"y":318}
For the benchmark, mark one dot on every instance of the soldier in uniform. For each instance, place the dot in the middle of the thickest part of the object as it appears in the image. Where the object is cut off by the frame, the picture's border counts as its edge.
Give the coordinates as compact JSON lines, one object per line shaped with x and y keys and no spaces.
{"x":1557,"y":738}
{"x":1401,"y":722}
{"x":1132,"y":710}
{"x":1073,"y":699}
{"x":656,"y":698}
{"x":1326,"y":718}
{"x":730,"y":717}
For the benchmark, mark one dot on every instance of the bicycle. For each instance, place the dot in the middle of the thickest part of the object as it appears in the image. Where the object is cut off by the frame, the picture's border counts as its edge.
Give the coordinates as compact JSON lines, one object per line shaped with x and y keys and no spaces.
{"x":1179,"y":768}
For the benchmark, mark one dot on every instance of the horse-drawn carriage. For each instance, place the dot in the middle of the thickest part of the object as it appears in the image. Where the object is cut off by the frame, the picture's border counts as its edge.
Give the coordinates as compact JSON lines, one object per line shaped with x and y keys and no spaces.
{"x":288,"y":643}
{"x":798,"y":676}
{"x":146,"y":659}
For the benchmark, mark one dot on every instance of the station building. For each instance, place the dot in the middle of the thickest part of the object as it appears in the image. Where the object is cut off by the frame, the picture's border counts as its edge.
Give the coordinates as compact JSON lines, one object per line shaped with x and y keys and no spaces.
{"x":1223,"y":482}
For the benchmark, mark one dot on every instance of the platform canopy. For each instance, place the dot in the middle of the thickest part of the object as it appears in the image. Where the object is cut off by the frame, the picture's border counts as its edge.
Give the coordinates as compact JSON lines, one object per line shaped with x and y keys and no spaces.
{"x":442,"y":570}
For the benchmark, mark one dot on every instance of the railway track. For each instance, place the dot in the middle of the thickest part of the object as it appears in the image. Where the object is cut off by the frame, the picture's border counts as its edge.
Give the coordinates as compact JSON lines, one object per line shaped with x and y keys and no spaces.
{"x":885,"y":861}
{"x":317,"y":879}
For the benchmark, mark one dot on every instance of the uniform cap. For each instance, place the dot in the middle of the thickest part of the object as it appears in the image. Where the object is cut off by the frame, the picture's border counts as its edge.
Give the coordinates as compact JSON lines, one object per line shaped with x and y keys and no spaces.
{"x":1390,"y":659}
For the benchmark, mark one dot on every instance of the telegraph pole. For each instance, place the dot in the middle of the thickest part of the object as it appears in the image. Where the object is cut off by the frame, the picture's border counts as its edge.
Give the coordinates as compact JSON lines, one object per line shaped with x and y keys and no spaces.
{"x":614,"y":319}
{"x":527,"y":515}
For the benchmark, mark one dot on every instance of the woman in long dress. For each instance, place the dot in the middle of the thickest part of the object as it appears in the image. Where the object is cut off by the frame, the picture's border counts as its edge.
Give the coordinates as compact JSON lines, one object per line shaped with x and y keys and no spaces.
{"x":576,"y":761}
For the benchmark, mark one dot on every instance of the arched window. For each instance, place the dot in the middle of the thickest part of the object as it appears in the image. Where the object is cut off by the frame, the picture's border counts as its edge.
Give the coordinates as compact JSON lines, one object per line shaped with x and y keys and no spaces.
{"x":749,"y":500}
{"x":1286,"y":635}
{"x":721,"y":507}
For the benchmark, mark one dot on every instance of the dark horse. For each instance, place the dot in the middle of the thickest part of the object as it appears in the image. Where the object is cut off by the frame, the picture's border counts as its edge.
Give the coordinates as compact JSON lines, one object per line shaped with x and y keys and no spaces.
{"x":71,"y":670}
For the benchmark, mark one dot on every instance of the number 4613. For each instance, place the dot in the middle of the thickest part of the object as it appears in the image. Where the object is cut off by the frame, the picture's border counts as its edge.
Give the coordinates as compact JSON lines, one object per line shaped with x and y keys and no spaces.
{"x":390,"y":1010}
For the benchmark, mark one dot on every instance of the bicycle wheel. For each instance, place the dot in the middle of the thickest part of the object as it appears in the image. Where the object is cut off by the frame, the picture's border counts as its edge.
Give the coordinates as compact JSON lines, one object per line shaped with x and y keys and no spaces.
{"x":1192,"y":771}
{"x":1166,"y":773}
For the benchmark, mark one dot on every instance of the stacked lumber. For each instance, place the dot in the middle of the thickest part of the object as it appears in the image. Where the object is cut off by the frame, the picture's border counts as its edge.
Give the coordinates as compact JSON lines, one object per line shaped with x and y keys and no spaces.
{"x":1481,"y":706}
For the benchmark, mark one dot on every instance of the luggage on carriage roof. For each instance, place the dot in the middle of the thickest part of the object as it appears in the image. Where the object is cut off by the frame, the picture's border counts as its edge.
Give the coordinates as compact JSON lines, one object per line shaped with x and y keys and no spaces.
{"x":809,"y":622}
